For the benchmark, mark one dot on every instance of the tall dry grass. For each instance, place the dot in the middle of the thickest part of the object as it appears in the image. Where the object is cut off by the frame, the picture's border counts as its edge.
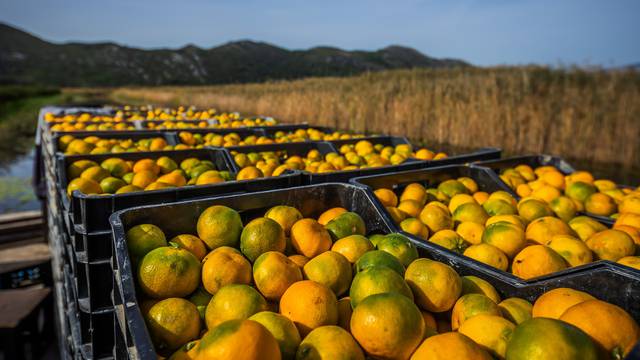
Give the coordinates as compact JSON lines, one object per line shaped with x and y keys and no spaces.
{"x":590,"y":115}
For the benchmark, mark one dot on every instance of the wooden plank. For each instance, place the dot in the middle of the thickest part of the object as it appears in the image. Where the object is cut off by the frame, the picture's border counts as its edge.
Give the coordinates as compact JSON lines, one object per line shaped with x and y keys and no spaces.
{"x":16,"y":305}
{"x":30,"y":236}
{"x":17,"y":265}
{"x":27,"y":255}
{"x":9,"y":240}
{"x":26,"y":252}
{"x":20,"y":226}
{"x":35,"y":239}
{"x":17,"y":226}
{"x":18,"y":216}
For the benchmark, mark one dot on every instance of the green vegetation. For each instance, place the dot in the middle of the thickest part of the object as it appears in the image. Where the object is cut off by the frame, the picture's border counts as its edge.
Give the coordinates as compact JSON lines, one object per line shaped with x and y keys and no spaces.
{"x":15,"y":193}
{"x":16,"y":92}
{"x":19,"y":106}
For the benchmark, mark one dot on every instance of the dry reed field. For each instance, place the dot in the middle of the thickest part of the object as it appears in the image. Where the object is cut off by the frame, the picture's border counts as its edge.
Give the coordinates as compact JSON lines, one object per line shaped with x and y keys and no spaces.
{"x":586,"y":115}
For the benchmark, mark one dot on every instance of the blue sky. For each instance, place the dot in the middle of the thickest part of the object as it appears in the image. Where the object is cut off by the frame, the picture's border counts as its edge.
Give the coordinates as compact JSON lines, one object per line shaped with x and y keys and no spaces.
{"x":583,"y":32}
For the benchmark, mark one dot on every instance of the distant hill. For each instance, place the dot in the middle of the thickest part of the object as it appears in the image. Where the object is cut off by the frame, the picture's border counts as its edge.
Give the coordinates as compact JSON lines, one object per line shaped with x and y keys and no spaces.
{"x":27,"y":59}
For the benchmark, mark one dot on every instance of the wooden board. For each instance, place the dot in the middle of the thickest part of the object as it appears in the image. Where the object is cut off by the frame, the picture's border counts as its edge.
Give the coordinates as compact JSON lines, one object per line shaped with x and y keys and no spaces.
{"x":16,"y":305}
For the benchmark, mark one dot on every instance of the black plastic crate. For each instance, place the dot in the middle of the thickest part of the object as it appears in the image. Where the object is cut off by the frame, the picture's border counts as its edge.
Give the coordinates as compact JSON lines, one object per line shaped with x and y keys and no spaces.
{"x":92,"y":211}
{"x":168,"y":136}
{"x":92,"y":333}
{"x":242,"y":132}
{"x":536,"y":161}
{"x":94,"y":109}
{"x":603,"y":280}
{"x":67,"y":219}
{"x":310,"y":200}
{"x":120,"y":350}
{"x":153,"y":124}
{"x":271,"y":130}
{"x":63,"y":326}
{"x":481,"y":154}
{"x":67,"y":110}
{"x":92,"y":281}
{"x":410,"y":164}
{"x":91,"y":246}
{"x":130,"y":332}
{"x":291,"y":149}
{"x":88,"y":221}
{"x":375,"y":139}
{"x":38,"y":178}
{"x":324,"y":147}
{"x":620,"y":288}
{"x":487,"y":181}
{"x":347,"y":175}
{"x":531,"y":160}
{"x":131,"y":126}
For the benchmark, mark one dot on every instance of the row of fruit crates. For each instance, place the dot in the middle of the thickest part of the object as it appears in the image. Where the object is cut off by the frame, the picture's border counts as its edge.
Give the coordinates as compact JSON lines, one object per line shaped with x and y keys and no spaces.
{"x":99,"y":274}
{"x":171,"y":138}
{"x":85,"y":325}
{"x":90,"y":212}
{"x":45,"y":125}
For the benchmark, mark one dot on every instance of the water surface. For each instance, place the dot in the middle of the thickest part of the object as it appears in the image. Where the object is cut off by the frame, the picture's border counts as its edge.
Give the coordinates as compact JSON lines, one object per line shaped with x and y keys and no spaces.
{"x":16,"y":191}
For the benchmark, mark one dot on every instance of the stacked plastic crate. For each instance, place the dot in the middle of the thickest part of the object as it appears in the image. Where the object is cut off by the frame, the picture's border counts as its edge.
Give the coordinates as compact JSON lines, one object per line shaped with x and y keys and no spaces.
{"x":96,"y":295}
{"x":80,"y":234}
{"x":72,"y":341}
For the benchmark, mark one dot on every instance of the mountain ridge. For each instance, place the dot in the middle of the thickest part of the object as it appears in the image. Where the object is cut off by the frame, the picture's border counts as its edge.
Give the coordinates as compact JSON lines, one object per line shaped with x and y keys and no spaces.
{"x":28,"y":59}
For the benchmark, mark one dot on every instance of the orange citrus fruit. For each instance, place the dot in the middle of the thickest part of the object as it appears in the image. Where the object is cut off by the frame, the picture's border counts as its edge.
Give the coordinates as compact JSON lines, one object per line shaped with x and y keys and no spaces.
{"x":273,"y":273}
{"x":387,"y":325}
{"x":309,"y":305}
{"x":172,"y":323}
{"x":229,"y":341}
{"x":224,"y":266}
{"x":169,"y":272}
{"x":310,"y":238}
{"x":329,"y":342}
{"x":234,"y":302}
{"x":261,"y":235}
